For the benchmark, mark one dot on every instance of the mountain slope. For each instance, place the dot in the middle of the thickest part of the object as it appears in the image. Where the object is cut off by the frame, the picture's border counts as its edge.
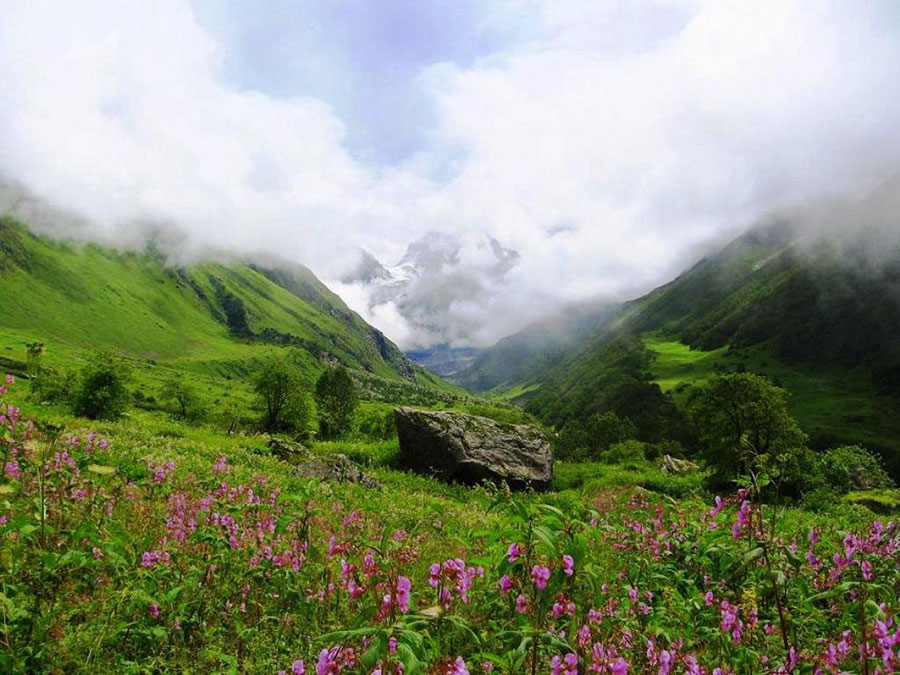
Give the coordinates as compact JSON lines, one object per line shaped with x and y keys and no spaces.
{"x":819,"y":314}
{"x":204,"y":317}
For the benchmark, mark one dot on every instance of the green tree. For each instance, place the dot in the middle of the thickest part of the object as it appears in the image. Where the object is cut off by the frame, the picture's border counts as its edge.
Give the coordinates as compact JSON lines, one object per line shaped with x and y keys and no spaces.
{"x":282,"y":397}
{"x":588,"y":439}
{"x":744,"y":426}
{"x":336,"y":400}
{"x":102,"y":391}
{"x":34,"y":351}
{"x":185,"y":399}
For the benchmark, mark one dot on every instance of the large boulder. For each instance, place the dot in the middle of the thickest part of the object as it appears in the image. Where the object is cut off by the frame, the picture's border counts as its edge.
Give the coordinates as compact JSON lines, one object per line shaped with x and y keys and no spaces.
{"x":467,"y":448}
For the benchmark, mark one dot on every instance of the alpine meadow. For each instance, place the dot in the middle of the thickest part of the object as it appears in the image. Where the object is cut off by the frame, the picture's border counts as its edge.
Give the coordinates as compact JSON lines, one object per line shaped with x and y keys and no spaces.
{"x":416,"y":337}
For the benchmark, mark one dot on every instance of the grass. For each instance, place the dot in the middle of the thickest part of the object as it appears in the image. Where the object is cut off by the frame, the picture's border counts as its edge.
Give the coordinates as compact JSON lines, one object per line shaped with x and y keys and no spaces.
{"x":832,"y":405}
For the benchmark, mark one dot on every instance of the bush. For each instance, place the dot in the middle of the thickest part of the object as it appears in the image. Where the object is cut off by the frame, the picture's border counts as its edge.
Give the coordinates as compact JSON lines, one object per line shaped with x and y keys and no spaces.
{"x":851,"y":467}
{"x":51,"y":386}
{"x":588,"y":439}
{"x":102,"y":391}
{"x":626,"y":451}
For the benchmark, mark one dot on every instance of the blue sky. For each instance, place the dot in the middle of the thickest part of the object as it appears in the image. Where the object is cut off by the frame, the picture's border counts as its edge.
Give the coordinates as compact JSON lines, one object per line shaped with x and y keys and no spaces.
{"x":603,"y":144}
{"x":360,"y":56}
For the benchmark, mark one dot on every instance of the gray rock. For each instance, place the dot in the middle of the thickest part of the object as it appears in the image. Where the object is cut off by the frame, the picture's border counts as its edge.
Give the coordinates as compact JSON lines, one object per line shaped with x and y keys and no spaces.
{"x":287,"y":450}
{"x":338,"y":468}
{"x":467,"y":448}
{"x":677,"y":466}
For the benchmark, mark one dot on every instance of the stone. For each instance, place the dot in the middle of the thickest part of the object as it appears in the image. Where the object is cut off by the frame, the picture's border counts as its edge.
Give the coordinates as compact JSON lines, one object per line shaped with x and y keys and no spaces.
{"x":467,"y":448}
{"x":677,"y":466}
{"x":338,"y":468}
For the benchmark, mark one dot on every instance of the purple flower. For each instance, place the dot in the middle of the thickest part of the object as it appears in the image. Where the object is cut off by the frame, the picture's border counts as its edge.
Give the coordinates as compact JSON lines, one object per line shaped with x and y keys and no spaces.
{"x":154,"y":610}
{"x":506,"y":584}
{"x":298,"y":668}
{"x":514,"y":552}
{"x":540,"y":574}
{"x":568,"y":565}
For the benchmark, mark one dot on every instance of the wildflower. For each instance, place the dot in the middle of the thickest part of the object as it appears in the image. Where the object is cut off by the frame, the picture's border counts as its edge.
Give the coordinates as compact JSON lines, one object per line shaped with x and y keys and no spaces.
{"x":402,"y":594}
{"x":11,"y":469}
{"x":154,"y":610}
{"x":540,"y":574}
{"x":458,"y":667}
{"x":514,"y":552}
{"x":506,"y":584}
{"x":568,"y":565}
{"x":866,"y":568}
{"x":521,"y":604}
{"x":298,"y":668}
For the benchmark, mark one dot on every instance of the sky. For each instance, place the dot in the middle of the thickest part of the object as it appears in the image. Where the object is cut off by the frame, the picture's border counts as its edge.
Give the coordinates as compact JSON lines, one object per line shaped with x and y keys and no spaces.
{"x":560,"y":150}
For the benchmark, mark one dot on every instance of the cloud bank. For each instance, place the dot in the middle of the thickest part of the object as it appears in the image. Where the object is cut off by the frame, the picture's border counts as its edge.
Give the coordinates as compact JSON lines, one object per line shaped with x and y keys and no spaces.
{"x":601,"y":142}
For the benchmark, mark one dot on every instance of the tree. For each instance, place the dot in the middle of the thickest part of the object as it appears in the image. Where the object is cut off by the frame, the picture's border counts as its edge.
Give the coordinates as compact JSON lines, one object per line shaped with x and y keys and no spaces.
{"x":282,"y":397}
{"x":336,"y":400}
{"x":102,"y":392}
{"x":33,"y":353}
{"x":184,"y":397}
{"x":587,"y":439}
{"x":745,"y":428}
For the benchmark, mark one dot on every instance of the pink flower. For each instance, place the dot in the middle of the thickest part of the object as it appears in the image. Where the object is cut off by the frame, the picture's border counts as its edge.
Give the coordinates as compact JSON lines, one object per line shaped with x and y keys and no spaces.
{"x":402,"y":595}
{"x":540,"y":574}
{"x":298,"y":668}
{"x":568,"y":565}
{"x":506,"y":584}
{"x":154,"y":610}
{"x":458,"y":667}
{"x":866,"y":568}
{"x":521,"y":604}
{"x":514,"y":552}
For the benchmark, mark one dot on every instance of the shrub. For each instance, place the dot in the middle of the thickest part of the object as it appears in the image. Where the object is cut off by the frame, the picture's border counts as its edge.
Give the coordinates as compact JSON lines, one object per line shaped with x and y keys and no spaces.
{"x":588,"y":439}
{"x":626,"y":451}
{"x":51,"y":386}
{"x":101,"y":391}
{"x":851,"y":467}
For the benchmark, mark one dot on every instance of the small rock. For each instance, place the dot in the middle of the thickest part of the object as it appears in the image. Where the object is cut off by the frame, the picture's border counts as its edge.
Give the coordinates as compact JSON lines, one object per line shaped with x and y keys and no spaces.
{"x":677,"y":466}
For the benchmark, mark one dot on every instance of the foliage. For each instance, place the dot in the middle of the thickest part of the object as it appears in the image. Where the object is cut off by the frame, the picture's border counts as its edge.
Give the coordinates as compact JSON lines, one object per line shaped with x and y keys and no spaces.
{"x":282,"y":397}
{"x":850,"y":467}
{"x":184,"y":398}
{"x":336,"y":401}
{"x":101,"y":392}
{"x":587,"y":439}
{"x":166,"y":554}
{"x":745,"y":427}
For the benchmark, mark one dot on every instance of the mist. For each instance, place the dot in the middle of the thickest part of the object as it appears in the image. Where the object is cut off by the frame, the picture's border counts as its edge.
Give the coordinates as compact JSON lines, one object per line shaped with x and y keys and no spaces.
{"x":600,"y":146}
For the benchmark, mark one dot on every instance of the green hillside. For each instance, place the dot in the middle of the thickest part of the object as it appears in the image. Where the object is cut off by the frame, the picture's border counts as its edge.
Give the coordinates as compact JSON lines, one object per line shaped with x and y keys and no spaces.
{"x":819,"y":315}
{"x":210,"y":318}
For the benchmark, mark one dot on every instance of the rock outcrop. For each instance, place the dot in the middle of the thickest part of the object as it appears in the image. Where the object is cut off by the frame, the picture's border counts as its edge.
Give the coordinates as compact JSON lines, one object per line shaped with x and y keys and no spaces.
{"x":333,"y":467}
{"x":677,"y":466}
{"x":467,"y":448}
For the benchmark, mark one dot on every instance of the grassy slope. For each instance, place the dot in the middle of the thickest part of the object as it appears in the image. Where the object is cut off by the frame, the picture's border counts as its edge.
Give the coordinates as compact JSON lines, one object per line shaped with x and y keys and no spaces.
{"x":833,"y":405}
{"x":817,"y":317}
{"x":85,"y":297}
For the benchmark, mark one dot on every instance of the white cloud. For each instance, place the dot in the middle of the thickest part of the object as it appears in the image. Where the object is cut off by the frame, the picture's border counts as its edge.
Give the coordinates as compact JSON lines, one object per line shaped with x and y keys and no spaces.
{"x":604,"y":147}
